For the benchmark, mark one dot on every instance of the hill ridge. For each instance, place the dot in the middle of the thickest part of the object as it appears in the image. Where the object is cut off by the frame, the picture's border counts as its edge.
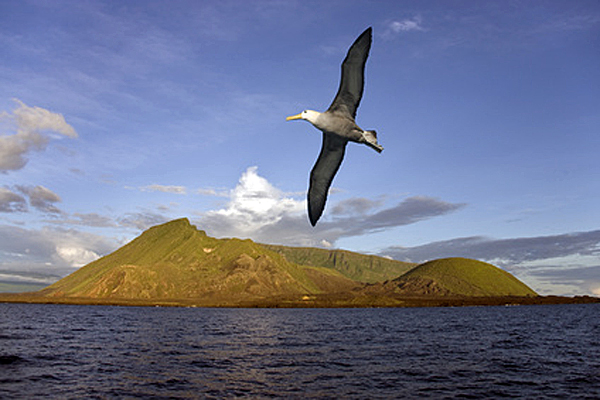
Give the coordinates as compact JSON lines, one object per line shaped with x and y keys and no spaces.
{"x":360,"y":267}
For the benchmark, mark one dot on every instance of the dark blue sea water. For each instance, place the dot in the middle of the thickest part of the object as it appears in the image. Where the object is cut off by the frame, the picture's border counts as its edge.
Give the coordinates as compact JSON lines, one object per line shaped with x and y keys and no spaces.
{"x":135,"y":352}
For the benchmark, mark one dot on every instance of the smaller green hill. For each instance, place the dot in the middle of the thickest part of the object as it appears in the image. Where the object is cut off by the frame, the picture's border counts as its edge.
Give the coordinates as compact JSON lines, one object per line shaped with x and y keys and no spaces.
{"x":459,"y":277}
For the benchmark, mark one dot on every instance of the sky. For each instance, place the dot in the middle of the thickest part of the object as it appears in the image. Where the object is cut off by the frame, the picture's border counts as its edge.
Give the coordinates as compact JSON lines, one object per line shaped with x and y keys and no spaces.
{"x":119,"y":115}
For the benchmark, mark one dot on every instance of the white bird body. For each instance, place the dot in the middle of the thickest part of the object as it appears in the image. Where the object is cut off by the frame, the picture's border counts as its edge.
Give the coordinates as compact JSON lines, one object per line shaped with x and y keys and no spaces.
{"x":338,"y":125}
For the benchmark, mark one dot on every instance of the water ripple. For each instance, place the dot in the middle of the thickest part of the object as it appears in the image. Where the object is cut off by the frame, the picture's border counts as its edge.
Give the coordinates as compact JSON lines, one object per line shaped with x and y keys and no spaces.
{"x":472,"y":353}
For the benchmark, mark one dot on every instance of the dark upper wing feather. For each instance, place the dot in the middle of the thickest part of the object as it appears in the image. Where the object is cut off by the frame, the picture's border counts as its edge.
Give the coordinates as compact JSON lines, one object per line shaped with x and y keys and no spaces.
{"x":351,"y":87}
{"x":321,"y":176}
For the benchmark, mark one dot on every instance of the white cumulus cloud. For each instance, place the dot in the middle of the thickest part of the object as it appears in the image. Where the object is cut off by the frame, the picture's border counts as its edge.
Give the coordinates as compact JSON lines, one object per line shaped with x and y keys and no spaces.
{"x":253,"y":204}
{"x":37,"y":119}
{"x":50,"y":249}
{"x":31,"y":127}
{"x":76,"y":257}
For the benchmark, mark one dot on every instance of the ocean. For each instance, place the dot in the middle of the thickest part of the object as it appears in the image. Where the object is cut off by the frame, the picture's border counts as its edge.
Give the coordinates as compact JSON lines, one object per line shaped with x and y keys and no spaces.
{"x":102,"y":352}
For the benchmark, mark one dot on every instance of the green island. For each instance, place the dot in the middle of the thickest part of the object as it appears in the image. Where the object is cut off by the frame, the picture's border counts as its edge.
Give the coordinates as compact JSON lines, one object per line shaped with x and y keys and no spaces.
{"x":175,"y":264}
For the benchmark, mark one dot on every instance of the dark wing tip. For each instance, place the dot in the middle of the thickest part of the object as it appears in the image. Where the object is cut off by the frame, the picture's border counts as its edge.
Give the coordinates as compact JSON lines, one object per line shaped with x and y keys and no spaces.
{"x":316,"y":206}
{"x":368,"y":32}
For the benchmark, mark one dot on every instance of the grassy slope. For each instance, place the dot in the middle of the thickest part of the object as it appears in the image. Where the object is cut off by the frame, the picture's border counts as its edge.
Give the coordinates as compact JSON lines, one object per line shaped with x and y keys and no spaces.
{"x":358,"y":267}
{"x":466,"y":277}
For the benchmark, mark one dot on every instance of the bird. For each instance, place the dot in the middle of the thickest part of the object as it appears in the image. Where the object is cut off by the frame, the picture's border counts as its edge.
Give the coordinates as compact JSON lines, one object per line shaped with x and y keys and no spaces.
{"x":338,"y":125}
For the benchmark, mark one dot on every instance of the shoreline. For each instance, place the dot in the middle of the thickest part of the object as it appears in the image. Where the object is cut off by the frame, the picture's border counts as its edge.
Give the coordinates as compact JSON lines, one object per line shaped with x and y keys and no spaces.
{"x":341,"y":300}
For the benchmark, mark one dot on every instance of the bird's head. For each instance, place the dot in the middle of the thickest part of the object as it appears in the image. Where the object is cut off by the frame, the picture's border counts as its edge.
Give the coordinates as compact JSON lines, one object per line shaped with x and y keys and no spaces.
{"x":307,"y":115}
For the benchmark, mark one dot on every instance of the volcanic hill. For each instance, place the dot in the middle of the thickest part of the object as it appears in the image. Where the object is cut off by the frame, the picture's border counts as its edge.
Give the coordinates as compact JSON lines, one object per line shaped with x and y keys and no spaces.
{"x":457,"y":277}
{"x":177,"y":261}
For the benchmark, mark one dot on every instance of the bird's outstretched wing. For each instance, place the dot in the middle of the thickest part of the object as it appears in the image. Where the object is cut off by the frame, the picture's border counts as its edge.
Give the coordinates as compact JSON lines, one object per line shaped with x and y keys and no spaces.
{"x":350,"y":92}
{"x":321,"y":176}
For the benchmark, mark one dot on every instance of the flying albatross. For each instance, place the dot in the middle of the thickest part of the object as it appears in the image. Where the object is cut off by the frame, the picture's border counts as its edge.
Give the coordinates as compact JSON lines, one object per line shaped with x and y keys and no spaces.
{"x":338,"y":126}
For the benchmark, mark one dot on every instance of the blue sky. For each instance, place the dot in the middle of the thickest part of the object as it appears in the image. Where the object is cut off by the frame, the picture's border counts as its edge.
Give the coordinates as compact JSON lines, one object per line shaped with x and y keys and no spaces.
{"x":116,"y":116}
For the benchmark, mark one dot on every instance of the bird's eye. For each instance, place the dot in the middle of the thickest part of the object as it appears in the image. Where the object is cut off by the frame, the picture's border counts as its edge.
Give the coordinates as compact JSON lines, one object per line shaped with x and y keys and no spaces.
{"x":304,"y":112}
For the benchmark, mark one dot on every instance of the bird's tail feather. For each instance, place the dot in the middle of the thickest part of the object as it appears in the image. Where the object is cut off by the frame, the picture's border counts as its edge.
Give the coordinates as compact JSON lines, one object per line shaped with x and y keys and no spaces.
{"x":371,"y":140}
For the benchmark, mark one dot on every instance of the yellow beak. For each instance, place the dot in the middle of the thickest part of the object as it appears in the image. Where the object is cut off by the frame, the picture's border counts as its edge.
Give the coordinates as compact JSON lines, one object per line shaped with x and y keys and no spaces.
{"x":293,"y":117}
